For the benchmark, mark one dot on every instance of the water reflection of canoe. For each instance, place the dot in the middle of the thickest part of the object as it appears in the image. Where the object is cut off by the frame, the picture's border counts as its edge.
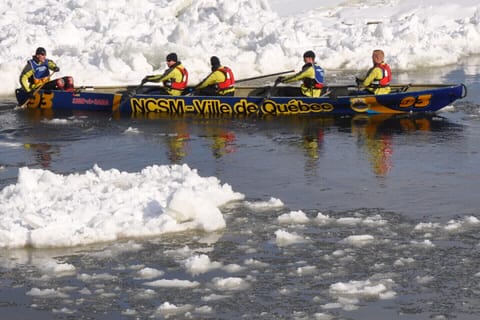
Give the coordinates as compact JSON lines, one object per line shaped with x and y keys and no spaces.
{"x":377,"y":135}
{"x":251,"y":101}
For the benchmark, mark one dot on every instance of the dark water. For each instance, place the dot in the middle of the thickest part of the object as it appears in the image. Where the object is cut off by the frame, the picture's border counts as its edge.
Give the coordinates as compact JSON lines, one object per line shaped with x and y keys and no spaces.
{"x":410,"y":181}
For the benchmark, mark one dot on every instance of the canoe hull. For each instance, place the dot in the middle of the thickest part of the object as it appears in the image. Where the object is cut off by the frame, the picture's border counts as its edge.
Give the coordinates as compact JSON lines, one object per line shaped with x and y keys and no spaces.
{"x":427,"y":99}
{"x":64,"y":100}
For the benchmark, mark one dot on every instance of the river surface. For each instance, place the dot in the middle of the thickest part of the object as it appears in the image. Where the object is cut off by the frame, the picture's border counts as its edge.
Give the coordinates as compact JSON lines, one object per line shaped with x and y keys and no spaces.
{"x":409,"y":182}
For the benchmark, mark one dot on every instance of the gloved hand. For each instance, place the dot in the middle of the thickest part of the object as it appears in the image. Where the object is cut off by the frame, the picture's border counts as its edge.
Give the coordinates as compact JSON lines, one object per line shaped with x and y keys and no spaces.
{"x":30,"y":90}
{"x":358,"y":81}
{"x":56,"y":69}
{"x":144,"y":80}
{"x":279,"y":80}
{"x":31,"y":94}
{"x":189,"y":91}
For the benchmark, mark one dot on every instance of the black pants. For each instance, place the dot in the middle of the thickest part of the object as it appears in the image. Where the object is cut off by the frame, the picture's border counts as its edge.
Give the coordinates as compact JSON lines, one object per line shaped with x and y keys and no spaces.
{"x":290,"y":92}
{"x":211,"y":91}
{"x":154,"y":90}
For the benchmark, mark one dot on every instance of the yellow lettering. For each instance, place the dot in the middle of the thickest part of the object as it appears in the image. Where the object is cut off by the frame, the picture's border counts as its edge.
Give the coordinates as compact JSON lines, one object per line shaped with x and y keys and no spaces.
{"x":244,"y":107}
{"x":225,"y":108}
{"x":240,"y":107}
{"x":157,"y":105}
{"x":269,"y":107}
{"x":294,"y":107}
{"x":423,"y":101}
{"x":214,"y":106}
{"x":407,"y":102}
{"x":46,"y":100}
{"x":176,"y":105}
{"x":136,"y":105}
{"x":150,"y":105}
{"x":162,"y":106}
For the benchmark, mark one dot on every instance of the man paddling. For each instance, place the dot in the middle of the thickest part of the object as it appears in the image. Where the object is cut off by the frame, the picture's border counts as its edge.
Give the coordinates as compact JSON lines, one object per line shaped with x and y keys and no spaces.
{"x":36,"y":74}
{"x":174,"y":79}
{"x":377,"y":80}
{"x":311,"y":76}
{"x":220,"y":82}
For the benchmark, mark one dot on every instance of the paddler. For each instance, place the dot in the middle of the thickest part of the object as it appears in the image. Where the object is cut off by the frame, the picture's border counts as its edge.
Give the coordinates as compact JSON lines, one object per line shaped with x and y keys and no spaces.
{"x":220,"y":82}
{"x":311,"y":75}
{"x":377,"y":80}
{"x":36,"y":74}
{"x":174,"y":79}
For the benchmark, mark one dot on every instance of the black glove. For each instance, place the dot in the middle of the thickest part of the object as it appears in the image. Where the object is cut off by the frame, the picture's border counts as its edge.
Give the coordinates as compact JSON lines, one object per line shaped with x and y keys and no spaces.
{"x":144,"y":80}
{"x":279,"y":80}
{"x":189,"y":91}
{"x":56,"y":69}
{"x":358,"y":81}
{"x":31,"y":94}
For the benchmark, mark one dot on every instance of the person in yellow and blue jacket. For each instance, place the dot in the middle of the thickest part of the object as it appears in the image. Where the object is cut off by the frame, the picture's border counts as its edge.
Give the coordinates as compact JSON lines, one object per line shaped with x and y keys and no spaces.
{"x":220,"y":82}
{"x":36,"y":74}
{"x":174,"y":79}
{"x":311,"y":75}
{"x":377,"y":80}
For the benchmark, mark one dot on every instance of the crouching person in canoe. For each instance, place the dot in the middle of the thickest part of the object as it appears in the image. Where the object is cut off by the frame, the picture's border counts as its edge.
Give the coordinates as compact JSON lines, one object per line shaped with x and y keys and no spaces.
{"x":377,"y":80}
{"x":36,"y":75}
{"x":220,"y":82}
{"x":311,"y":75}
{"x":174,"y":79}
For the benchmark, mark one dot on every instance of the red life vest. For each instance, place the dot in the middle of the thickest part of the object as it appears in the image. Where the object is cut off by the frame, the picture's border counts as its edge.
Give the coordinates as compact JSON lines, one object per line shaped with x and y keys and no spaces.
{"x":387,"y":75}
{"x":229,"y":79}
{"x":182,"y":84}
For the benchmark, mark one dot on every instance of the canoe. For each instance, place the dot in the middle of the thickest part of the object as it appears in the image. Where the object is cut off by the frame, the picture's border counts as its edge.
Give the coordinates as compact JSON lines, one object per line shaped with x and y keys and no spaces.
{"x":411,"y":98}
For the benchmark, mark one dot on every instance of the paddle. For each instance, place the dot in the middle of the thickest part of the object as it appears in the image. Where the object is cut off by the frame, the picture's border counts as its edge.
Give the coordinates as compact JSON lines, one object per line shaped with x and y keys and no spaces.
{"x":264,"y":76}
{"x":130,"y":93}
{"x":268,"y":94}
{"x":35,"y":92}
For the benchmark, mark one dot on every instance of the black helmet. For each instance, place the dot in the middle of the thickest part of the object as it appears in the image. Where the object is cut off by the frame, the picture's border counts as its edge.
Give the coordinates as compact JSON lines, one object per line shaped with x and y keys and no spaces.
{"x":309,"y":54}
{"x":215,"y":62}
{"x":41,"y":50}
{"x":172,"y":57}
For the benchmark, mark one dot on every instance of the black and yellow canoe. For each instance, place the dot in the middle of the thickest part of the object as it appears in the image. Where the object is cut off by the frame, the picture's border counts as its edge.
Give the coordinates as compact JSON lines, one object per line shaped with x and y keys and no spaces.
{"x":264,"y":100}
